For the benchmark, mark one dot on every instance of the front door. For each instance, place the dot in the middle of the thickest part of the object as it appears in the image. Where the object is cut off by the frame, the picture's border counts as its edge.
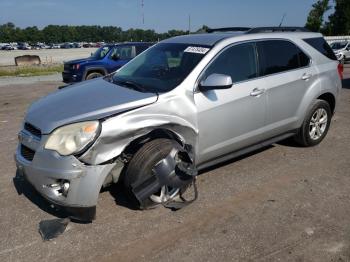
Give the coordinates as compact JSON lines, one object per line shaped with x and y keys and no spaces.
{"x":229,"y":119}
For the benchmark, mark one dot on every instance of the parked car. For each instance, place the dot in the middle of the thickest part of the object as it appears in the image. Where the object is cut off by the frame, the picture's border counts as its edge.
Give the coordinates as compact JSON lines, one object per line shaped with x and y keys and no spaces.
{"x":67,"y":45}
{"x":105,"y":60}
{"x":341,"y":50}
{"x":23,"y":46}
{"x":54,"y":46}
{"x":77,"y":45}
{"x":8,"y":47}
{"x":185,"y":104}
{"x":88,"y":45}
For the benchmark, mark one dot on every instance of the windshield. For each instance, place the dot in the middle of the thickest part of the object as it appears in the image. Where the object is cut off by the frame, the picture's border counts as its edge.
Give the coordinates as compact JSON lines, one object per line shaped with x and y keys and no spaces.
{"x":338,"y":45}
{"x":160,"y":68}
{"x":101,"y":52}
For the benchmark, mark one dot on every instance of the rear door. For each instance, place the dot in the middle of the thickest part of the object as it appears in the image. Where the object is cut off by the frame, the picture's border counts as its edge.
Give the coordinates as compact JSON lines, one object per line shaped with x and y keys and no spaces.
{"x":287,"y":73}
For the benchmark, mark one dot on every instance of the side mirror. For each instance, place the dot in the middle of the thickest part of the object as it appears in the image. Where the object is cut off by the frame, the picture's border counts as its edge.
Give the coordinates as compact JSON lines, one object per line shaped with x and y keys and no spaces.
{"x":115,"y":57}
{"x":215,"y":81}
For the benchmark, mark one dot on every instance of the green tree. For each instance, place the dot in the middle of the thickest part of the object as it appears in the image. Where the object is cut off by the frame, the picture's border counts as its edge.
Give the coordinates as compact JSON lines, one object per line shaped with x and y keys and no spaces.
{"x":339,"y":21}
{"x":315,"y":18}
{"x":203,"y":29}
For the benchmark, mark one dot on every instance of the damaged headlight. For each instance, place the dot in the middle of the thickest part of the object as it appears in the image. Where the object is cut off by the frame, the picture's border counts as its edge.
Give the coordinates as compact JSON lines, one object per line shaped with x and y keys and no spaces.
{"x":73,"y":138}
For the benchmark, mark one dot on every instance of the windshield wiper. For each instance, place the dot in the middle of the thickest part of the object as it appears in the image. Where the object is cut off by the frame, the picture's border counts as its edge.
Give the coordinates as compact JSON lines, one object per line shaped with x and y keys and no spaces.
{"x":132,"y":84}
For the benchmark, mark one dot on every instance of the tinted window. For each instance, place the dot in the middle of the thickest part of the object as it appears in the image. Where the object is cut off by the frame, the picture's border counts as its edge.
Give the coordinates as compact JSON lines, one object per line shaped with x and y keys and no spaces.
{"x":123,"y":52}
{"x":277,"y":56}
{"x":321,"y":45}
{"x":238,"y":61}
{"x":140,"y":48}
{"x":304,"y":60}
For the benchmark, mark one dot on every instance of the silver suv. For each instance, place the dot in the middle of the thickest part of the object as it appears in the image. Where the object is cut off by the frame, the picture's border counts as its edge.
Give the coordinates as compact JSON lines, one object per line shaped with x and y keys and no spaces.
{"x":184,"y":104}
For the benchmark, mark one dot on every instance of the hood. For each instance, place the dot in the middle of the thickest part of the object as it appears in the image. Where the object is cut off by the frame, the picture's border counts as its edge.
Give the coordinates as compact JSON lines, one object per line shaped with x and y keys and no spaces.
{"x":81,"y":60}
{"x":89,"y":100}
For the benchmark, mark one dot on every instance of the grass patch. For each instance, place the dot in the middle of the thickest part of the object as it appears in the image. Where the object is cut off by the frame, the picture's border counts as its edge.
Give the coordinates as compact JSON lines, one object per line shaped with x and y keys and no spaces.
{"x":30,"y":70}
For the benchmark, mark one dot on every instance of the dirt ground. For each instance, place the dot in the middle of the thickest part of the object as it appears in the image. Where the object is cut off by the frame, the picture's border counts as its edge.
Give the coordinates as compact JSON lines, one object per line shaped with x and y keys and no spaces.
{"x":283,"y":203}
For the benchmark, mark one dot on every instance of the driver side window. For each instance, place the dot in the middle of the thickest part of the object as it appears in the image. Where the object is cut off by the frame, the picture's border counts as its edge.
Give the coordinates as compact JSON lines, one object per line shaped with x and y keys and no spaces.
{"x":238,"y":61}
{"x":123,"y":52}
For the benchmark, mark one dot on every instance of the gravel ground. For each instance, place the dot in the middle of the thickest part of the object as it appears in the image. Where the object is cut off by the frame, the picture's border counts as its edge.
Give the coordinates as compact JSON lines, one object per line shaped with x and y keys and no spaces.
{"x":18,"y":80}
{"x":56,"y":56}
{"x":283,"y":203}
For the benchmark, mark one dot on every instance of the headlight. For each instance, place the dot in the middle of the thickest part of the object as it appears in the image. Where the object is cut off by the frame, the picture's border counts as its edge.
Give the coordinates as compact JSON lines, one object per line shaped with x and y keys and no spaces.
{"x":72,"y":138}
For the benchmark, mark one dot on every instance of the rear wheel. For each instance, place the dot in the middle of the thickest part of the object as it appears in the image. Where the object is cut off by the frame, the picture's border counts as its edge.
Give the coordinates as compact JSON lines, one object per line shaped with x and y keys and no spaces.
{"x":140,"y":168}
{"x":315,"y":125}
{"x":93,"y":75}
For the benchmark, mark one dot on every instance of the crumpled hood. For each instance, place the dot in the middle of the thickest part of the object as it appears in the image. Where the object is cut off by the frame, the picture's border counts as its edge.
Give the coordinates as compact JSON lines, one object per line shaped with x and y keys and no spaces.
{"x":89,"y":100}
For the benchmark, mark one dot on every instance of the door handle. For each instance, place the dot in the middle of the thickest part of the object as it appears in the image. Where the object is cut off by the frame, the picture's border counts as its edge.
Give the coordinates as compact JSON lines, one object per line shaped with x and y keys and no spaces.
{"x":257,"y":92}
{"x":306,"y":76}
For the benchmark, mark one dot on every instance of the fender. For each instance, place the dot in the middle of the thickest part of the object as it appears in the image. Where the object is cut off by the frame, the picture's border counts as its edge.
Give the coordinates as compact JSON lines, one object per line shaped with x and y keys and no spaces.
{"x":93,"y":68}
{"x":319,"y":87}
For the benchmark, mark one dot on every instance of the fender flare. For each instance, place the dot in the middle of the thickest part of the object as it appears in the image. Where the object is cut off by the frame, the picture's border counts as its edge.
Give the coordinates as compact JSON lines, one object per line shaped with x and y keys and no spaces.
{"x":93,"y":68}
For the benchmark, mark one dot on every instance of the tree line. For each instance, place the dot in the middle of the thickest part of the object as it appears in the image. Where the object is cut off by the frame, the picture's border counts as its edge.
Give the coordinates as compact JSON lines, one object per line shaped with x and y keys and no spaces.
{"x":64,"y":33}
{"x":338,"y":22}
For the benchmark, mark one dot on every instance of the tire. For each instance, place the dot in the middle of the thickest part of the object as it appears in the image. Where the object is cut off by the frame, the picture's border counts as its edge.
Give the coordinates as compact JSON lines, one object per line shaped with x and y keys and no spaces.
{"x":140,"y":168}
{"x":316,"y":124}
{"x":93,"y":75}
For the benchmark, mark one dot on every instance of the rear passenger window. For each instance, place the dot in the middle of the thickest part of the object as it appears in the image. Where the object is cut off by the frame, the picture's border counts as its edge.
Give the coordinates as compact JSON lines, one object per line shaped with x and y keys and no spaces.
{"x":321,"y":45}
{"x":304,"y":60}
{"x":277,"y":56}
{"x":238,"y":61}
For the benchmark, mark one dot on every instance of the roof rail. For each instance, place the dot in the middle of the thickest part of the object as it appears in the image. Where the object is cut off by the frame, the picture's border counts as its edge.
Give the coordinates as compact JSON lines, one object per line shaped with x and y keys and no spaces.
{"x":228,"y":29}
{"x":270,"y":29}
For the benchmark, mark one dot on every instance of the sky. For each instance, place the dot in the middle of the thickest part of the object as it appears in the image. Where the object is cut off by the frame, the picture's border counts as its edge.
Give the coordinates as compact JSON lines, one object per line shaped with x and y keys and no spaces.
{"x":160,"y":15}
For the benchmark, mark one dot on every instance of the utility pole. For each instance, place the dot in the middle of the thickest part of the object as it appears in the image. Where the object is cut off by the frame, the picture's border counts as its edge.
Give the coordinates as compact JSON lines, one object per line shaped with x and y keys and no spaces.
{"x":189,"y":24}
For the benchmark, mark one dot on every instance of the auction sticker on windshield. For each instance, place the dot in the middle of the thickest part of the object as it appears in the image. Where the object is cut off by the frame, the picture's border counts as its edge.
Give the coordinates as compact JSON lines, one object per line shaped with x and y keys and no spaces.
{"x":197,"y":50}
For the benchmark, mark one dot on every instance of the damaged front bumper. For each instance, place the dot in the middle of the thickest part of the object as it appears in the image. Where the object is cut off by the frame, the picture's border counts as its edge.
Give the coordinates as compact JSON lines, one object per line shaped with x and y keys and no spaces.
{"x":64,"y":180}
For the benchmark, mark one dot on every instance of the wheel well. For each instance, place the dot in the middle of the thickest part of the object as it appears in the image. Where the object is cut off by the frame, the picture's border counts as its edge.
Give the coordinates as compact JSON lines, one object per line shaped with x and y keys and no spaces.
{"x":135,"y":145}
{"x":95,"y":71}
{"x":330,"y":99}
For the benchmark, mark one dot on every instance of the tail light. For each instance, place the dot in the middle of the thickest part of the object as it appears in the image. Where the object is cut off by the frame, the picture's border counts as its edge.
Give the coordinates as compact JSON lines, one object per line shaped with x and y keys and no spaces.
{"x":340,"y":70}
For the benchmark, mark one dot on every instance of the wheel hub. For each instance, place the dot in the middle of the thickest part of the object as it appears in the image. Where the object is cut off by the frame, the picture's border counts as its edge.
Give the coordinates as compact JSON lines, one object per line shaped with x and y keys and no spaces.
{"x":318,"y":124}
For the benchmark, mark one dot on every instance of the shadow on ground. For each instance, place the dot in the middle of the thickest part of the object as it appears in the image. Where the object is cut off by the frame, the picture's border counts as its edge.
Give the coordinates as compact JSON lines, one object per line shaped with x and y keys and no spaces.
{"x":23,"y":187}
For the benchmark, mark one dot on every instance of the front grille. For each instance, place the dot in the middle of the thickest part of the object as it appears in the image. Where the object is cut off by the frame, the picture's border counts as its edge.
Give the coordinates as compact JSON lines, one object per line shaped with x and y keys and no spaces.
{"x":67,"y":67}
{"x":27,"y":153}
{"x":32,"y":129}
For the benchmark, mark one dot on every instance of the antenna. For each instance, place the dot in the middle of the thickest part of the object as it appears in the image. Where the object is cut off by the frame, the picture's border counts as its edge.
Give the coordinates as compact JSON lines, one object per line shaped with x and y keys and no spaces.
{"x":284,"y":15}
{"x":143,"y":13}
